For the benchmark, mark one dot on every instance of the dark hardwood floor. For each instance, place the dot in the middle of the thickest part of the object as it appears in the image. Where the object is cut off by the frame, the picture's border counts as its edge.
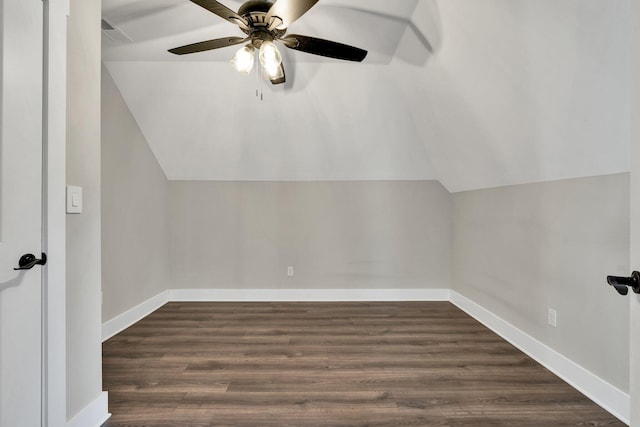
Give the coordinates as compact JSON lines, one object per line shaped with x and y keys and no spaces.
{"x":329,"y":364}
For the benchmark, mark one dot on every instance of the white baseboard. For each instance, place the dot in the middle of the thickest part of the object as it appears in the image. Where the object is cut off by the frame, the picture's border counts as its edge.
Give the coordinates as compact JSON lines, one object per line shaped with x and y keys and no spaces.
{"x":129,"y":317}
{"x":604,"y":394}
{"x":308,"y":295}
{"x":94,"y":414}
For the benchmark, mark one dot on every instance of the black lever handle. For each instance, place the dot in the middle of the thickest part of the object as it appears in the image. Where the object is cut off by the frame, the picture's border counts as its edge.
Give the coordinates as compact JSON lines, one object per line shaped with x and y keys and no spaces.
{"x":622,"y":284}
{"x":28,"y":261}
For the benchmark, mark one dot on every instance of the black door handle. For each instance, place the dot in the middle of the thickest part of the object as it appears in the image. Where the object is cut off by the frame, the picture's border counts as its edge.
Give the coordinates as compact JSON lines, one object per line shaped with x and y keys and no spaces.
{"x":622,"y":284}
{"x":27,"y":261}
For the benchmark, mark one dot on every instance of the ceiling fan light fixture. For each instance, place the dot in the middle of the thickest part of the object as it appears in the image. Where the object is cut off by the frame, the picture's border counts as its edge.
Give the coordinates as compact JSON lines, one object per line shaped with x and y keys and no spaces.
{"x":263,"y":22}
{"x":270,"y":56}
{"x":243,"y":59}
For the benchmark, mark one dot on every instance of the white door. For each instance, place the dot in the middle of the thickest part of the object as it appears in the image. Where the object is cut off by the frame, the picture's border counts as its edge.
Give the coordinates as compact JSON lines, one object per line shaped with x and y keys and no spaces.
{"x":20,"y":211}
{"x":635,"y":215}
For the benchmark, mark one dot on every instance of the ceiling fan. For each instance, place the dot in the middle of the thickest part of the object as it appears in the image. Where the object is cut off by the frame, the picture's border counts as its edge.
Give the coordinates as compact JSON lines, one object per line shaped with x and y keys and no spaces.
{"x":265,"y":22}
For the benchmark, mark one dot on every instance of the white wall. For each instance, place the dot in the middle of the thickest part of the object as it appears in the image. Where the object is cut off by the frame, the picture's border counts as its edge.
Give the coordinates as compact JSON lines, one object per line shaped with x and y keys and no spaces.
{"x":84,"y":364}
{"x":519,"y":250}
{"x":135,"y":218}
{"x":377,"y":234}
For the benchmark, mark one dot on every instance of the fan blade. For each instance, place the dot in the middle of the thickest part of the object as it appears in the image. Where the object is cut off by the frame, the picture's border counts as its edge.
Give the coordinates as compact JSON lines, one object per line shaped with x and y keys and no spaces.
{"x":289,"y":11}
{"x":324,"y":47}
{"x":207,"y":45}
{"x":222,"y":11}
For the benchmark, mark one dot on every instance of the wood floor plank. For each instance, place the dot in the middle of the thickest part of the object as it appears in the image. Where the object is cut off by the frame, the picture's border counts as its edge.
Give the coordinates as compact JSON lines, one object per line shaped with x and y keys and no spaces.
{"x":329,"y":364}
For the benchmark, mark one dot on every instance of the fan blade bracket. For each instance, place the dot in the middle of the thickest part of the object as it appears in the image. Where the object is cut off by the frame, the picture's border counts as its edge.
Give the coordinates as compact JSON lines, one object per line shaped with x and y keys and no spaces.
{"x":240,"y":22}
{"x":276,"y":23}
{"x":290,"y":42}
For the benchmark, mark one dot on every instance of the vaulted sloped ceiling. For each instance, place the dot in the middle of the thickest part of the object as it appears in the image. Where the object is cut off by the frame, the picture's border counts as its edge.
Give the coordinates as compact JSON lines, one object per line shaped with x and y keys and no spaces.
{"x":474,"y":93}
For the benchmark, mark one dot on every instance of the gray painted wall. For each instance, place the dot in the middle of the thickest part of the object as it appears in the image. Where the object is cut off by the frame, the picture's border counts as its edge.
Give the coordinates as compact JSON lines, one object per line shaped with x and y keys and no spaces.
{"x":135,"y":214}
{"x":375,"y":234}
{"x":84,"y":356}
{"x":519,"y":250}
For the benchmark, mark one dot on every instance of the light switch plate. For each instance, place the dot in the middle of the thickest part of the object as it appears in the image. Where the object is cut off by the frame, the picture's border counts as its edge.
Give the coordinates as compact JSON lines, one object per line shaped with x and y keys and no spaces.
{"x":552,"y":317}
{"x":74,"y":199}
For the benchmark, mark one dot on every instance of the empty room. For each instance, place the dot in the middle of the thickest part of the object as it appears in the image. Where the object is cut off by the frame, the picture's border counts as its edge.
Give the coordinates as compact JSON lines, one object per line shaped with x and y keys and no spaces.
{"x":320,"y":213}
{"x":329,"y":248}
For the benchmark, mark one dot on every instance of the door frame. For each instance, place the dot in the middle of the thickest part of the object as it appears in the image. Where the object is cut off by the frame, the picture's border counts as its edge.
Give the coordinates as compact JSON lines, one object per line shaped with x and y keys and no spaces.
{"x":54,"y":360}
{"x":634,"y":299}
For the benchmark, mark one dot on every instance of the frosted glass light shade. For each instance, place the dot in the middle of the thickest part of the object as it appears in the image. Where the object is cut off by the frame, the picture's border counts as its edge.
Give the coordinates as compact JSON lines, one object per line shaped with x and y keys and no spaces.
{"x":243,"y":59}
{"x":270,"y":57}
{"x":273,"y":73}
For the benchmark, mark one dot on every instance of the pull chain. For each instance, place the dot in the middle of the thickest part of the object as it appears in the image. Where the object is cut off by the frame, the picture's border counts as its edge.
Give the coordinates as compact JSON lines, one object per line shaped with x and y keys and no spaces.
{"x":259,"y":82}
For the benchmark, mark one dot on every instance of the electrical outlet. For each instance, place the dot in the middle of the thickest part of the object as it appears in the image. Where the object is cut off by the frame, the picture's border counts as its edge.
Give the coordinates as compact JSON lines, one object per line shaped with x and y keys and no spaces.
{"x":552,"y":317}
{"x":290,"y":271}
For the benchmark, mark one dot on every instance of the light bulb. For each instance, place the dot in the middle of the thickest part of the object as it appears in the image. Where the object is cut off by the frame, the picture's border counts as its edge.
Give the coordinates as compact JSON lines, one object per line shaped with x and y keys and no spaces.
{"x":243,"y":59}
{"x":270,"y":57}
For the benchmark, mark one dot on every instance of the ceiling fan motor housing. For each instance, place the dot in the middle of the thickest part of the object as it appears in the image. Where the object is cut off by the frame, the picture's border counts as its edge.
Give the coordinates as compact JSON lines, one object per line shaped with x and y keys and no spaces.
{"x":255,"y":6}
{"x":259,"y":27}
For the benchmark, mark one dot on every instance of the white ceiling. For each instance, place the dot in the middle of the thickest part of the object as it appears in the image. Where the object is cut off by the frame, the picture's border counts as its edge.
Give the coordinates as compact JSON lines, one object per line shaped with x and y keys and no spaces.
{"x":474,"y":93}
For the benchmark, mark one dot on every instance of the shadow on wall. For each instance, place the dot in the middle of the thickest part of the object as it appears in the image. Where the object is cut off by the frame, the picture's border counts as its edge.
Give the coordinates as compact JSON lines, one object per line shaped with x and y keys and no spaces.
{"x":424,"y":34}
{"x":423,"y":38}
{"x":388,"y":36}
